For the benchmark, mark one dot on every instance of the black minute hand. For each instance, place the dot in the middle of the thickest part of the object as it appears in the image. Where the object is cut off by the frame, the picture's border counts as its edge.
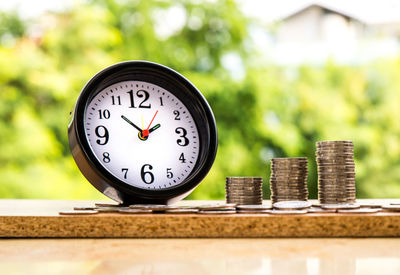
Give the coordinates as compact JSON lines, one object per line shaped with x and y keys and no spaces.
{"x":131,"y":123}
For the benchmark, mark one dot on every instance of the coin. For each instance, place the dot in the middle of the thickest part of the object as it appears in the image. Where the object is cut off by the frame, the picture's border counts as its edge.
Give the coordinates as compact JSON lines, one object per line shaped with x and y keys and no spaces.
{"x":370,"y":205}
{"x":340,"y":206}
{"x":254,"y":207}
{"x":228,"y":206}
{"x":78,"y":212}
{"x":218,"y":212}
{"x":254,"y":211}
{"x":286,"y":212}
{"x":154,"y":207}
{"x":108,"y":209}
{"x":135,"y":211}
{"x":182,"y":211}
{"x":84,"y":208}
{"x":292,"y":205}
{"x":391,"y":207}
{"x":320,"y":210}
{"x":359,"y":211}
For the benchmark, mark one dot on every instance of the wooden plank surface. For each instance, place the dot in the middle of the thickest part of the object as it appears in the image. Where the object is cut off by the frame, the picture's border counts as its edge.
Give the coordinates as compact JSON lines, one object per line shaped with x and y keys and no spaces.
{"x":39,"y":218}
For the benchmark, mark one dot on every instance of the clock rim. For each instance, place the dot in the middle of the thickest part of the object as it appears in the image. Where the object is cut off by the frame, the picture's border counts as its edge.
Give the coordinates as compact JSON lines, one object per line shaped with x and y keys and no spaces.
{"x":104,"y":180}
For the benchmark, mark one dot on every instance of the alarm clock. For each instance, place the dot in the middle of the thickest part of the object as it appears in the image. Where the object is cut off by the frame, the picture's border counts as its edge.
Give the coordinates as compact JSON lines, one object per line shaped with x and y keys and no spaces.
{"x":140,"y":132}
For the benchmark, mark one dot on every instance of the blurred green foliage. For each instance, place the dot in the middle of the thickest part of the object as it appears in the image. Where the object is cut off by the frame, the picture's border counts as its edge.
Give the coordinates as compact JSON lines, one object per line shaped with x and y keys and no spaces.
{"x":273,"y":112}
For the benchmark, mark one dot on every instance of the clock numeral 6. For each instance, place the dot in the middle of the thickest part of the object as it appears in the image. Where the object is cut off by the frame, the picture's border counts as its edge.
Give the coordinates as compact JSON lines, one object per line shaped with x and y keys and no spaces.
{"x":170,"y":175}
{"x":150,"y":177}
{"x":183,"y":141}
{"x":102,"y":133}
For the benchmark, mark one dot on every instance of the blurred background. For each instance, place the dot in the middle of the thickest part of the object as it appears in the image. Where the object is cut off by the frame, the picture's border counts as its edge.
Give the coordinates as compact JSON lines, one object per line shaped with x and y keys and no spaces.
{"x":279,"y":76}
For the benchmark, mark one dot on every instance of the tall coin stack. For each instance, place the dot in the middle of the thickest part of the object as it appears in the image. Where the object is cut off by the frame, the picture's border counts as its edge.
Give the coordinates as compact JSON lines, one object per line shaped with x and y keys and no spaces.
{"x":288,"y":181}
{"x":244,"y":190}
{"x":336,"y":172}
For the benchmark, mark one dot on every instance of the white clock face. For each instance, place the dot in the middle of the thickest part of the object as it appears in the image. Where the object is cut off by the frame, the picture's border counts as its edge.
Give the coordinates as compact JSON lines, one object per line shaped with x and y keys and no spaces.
{"x":142,"y":134}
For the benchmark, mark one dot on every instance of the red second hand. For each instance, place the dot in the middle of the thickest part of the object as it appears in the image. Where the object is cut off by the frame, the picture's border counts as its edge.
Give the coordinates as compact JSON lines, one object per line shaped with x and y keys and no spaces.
{"x":146,"y":131}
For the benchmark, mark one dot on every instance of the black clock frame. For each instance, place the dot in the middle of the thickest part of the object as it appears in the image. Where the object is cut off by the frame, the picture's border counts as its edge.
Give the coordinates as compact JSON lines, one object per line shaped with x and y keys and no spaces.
{"x":175,"y":83}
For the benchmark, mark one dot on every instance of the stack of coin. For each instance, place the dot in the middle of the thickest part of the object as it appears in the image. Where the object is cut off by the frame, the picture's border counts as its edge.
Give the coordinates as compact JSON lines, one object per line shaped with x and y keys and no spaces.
{"x":244,"y":190}
{"x":288,"y":180}
{"x":336,"y":172}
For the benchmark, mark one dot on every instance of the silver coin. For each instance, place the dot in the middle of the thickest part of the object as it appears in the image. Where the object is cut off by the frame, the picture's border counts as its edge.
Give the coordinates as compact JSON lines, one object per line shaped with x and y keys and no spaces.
{"x":320,"y":210}
{"x":391,"y":207}
{"x":182,"y":211}
{"x":254,"y":207}
{"x":78,"y":212}
{"x":135,"y":211}
{"x":254,"y":211}
{"x":340,"y":206}
{"x":287,"y":212}
{"x":217,"y":212}
{"x":108,"y":209}
{"x":85,"y":208}
{"x":359,"y":211}
{"x":154,"y":207}
{"x":227,"y":206}
{"x":292,"y":205}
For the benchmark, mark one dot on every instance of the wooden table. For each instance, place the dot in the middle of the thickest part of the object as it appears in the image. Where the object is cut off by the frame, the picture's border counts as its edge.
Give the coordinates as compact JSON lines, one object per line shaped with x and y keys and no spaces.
{"x":341,"y":256}
{"x":38,"y":218}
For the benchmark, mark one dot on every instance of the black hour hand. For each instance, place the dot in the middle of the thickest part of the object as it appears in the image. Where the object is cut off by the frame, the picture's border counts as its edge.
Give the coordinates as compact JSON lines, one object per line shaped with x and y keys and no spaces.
{"x":155,"y":127}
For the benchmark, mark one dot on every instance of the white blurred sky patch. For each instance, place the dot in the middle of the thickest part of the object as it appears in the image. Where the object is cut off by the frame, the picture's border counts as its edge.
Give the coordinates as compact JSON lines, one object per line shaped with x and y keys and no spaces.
{"x":370,"y":11}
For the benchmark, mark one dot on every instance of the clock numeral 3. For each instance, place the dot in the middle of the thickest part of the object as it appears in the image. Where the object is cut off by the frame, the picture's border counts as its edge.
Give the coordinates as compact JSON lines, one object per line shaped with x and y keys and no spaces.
{"x":183,"y":141}
{"x":140,"y":93}
{"x":147,"y":176}
{"x":103,"y":134}
{"x":106,"y":157}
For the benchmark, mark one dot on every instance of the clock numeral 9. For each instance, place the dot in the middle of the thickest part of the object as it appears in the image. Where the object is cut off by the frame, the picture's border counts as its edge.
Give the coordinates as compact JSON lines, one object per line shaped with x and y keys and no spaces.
{"x":183,"y":141}
{"x":106,"y":157}
{"x":150,"y":177}
{"x":140,"y":93}
{"x":170,"y":175}
{"x":102,"y":133}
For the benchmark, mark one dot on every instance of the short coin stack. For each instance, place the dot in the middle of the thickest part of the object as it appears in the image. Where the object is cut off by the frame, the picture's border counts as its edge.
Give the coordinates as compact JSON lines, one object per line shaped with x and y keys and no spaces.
{"x":336,"y":172}
{"x":244,"y":190}
{"x":288,"y":181}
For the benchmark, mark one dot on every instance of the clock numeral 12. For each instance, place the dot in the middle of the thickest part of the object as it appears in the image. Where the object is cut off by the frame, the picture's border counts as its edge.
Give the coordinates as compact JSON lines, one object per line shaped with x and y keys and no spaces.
{"x":140,"y":93}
